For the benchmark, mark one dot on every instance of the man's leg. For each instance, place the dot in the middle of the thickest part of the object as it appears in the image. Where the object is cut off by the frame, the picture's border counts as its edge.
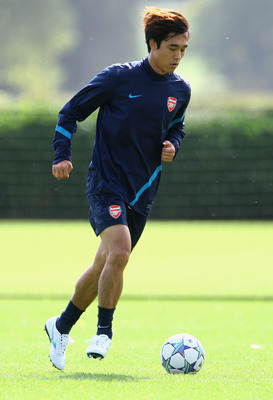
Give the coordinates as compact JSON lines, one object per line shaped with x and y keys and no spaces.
{"x":117,"y":244}
{"x":116,"y":240}
{"x":85,"y":292}
{"x":87,"y":286}
{"x":105,"y":277}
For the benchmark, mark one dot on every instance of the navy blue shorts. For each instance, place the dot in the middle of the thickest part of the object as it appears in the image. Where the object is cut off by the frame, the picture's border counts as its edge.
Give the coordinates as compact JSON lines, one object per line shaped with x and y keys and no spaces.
{"x":106,"y":211}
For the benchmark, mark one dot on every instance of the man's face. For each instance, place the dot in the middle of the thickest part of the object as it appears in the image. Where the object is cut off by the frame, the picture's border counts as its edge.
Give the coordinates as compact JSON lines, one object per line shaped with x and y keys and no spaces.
{"x":167,"y":58}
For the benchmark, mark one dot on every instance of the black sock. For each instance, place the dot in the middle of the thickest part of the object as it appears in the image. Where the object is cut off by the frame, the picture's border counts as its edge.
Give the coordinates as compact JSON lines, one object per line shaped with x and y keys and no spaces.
{"x":68,"y":318}
{"x":105,"y":318}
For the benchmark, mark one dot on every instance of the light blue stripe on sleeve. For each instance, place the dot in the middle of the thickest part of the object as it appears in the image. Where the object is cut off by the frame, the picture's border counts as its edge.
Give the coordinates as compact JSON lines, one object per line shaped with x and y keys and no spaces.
{"x":63,"y":132}
{"x":175,"y":121}
{"x":146,"y":186}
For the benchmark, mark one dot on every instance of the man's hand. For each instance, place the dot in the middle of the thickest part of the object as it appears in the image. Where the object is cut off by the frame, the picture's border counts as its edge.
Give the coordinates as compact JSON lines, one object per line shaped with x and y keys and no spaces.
{"x":168,"y":151}
{"x":62,"y":169}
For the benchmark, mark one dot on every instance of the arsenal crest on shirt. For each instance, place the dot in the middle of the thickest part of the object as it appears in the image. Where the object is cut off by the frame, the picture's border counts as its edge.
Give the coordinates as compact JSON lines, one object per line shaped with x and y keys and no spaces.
{"x":171,"y":103}
{"x":115,"y":211}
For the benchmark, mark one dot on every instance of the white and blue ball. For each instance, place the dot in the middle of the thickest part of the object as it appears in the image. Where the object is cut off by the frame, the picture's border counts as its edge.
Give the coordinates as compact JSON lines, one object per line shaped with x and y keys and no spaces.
{"x":182,"y":354}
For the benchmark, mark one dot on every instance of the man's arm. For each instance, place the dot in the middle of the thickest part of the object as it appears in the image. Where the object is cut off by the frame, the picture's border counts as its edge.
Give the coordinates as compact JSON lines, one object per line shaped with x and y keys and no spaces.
{"x":86,"y":101}
{"x":176,"y":128}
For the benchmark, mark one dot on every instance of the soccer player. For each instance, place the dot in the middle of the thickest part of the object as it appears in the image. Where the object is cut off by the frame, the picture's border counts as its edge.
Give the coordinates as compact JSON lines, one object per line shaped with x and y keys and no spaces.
{"x":140,"y":124}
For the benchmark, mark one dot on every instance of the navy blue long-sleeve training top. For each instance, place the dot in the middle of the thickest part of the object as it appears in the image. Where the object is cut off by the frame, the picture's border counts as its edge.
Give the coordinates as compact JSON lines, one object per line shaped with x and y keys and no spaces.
{"x":139,"y":109}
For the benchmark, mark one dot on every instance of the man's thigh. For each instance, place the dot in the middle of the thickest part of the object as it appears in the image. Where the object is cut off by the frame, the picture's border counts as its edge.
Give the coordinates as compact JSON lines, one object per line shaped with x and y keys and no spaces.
{"x":117,"y":240}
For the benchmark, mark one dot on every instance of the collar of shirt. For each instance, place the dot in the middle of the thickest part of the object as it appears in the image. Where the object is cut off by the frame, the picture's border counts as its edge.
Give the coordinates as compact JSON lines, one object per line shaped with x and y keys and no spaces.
{"x":152,"y":73}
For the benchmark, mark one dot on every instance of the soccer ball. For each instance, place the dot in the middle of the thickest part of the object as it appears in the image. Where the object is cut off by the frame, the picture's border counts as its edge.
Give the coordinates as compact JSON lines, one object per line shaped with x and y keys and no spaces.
{"x":182,"y":354}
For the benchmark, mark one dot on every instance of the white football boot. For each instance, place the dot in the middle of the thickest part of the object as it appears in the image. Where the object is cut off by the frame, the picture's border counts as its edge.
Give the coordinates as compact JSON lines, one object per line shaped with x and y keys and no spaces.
{"x":58,"y":342}
{"x":98,"y":347}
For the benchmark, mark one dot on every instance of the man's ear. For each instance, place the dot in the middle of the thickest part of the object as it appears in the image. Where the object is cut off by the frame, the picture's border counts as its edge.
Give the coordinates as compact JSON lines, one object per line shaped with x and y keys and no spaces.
{"x":152,"y":44}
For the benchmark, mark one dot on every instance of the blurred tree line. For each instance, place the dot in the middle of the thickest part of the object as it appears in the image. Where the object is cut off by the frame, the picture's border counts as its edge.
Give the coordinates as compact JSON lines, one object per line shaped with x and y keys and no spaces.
{"x":53,"y":46}
{"x":235,"y":38}
{"x":33,"y":37}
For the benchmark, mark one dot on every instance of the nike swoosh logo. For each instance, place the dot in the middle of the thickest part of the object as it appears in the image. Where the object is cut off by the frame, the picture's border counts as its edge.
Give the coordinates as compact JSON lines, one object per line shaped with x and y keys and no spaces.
{"x":52,"y":338}
{"x":132,"y":96}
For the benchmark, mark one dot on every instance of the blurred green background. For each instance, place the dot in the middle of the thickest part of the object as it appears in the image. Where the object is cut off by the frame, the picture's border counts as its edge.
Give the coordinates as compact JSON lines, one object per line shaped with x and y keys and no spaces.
{"x":49,"y":50}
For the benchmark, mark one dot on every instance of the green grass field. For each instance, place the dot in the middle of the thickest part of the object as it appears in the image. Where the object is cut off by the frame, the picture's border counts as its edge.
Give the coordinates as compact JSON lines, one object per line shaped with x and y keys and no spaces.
{"x":212,"y":280}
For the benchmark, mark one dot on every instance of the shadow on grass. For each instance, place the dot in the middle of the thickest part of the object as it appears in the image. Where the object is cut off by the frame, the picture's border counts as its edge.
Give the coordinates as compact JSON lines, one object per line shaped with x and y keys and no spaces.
{"x":86,"y":376}
{"x":79,"y":376}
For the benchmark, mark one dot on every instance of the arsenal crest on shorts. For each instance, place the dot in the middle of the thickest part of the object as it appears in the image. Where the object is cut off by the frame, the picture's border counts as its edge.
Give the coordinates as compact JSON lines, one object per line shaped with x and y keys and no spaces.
{"x":171,"y":103}
{"x":115,"y":211}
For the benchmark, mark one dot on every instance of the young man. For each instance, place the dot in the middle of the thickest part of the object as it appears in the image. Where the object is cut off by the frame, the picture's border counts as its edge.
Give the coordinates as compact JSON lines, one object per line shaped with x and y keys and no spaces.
{"x":140,"y":124}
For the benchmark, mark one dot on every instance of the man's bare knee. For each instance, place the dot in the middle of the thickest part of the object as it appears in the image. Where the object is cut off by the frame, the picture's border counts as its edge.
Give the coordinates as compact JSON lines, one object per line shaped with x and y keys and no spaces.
{"x":118,"y":258}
